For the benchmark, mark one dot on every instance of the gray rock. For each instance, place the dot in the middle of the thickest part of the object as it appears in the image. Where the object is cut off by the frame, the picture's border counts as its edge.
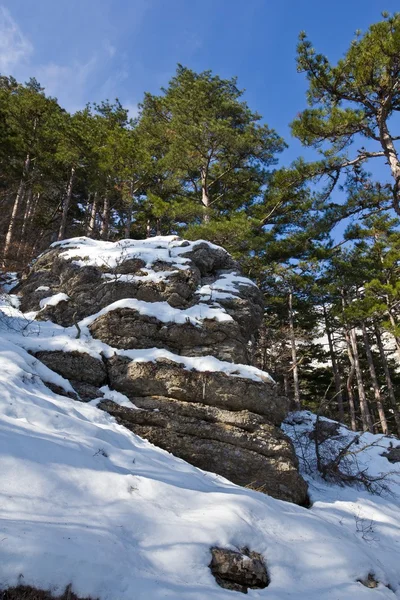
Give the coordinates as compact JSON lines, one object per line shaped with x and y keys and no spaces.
{"x":90,"y":291}
{"x":168,"y":378}
{"x":324,"y":430}
{"x":60,"y":391}
{"x":127,"y":328}
{"x":240,"y":446}
{"x":369,"y":581}
{"x":77,"y":366}
{"x":209,"y":260}
{"x":86,"y":391}
{"x":239,"y":571}
{"x":393,"y":454}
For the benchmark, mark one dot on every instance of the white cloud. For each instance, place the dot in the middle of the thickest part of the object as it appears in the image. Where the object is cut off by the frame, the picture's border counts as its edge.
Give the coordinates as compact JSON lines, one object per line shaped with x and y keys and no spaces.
{"x":133,"y":109}
{"x":15,"y":48}
{"x":108,"y":89}
{"x":74,"y":83}
{"x":110,"y":49}
{"x":67,"y":82}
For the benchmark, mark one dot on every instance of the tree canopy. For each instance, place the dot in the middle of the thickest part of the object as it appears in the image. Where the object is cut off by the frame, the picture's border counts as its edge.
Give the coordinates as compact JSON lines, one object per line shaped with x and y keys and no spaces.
{"x":199,"y":162}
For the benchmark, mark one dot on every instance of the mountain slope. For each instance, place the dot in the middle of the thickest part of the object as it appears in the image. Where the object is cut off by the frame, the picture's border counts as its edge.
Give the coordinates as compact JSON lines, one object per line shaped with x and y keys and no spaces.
{"x":86,"y":502}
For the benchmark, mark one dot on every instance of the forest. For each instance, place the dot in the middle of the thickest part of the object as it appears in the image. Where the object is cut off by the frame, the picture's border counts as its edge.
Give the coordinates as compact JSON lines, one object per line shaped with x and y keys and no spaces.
{"x":199,"y":163}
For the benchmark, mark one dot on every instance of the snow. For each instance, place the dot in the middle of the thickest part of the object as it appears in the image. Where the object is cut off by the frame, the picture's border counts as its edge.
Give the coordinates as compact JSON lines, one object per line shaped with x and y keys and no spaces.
{"x":198,"y":363}
{"x":8,"y":281}
{"x":84,"y":501}
{"x":85,"y":251}
{"x":53,"y":300}
{"x":227,"y":286}
{"x":164,"y":312}
{"x":47,"y":336}
{"x":154,"y":276}
{"x":115,"y":396}
{"x":109,"y":256}
{"x":42,"y":288}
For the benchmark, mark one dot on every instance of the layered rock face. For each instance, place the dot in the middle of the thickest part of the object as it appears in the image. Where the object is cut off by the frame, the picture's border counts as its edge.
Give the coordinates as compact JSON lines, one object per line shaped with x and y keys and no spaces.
{"x":173,"y":325}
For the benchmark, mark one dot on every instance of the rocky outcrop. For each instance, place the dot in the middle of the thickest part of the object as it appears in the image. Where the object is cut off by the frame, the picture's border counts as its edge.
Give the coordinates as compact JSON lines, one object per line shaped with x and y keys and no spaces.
{"x":239,"y":571}
{"x":324,"y":430}
{"x":127,"y":328}
{"x":170,"y":379}
{"x":85,"y":373}
{"x":176,"y":322}
{"x":240,"y":446}
{"x":79,"y":366}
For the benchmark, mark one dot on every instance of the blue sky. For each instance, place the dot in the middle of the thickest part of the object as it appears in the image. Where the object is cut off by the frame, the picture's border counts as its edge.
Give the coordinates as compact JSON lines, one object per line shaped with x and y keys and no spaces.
{"x":88,"y":50}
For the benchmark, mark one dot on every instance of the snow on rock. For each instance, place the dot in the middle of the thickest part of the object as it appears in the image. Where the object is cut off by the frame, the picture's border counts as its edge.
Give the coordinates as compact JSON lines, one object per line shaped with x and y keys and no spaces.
{"x":164,"y":312}
{"x":225,"y":287}
{"x":97,"y":253}
{"x":52,"y":300}
{"x":47,"y":336}
{"x":84,"y":501}
{"x":204,"y":364}
{"x":115,"y":396}
{"x":151,"y":275}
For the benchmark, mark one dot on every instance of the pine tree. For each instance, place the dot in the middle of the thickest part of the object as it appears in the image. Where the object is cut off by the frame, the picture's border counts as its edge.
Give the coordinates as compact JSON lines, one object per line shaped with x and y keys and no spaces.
{"x":209,"y":140}
{"x":353,"y":101}
{"x":27,"y":114}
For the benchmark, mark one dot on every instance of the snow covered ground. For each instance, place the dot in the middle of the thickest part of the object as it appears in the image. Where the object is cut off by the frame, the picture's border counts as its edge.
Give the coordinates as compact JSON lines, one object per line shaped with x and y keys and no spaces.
{"x":84,"y":501}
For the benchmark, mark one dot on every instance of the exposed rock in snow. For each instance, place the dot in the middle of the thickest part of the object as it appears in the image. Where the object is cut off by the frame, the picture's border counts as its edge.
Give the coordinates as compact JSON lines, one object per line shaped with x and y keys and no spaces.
{"x":52,"y":300}
{"x":239,"y":571}
{"x":173,"y":272}
{"x":8,"y":281}
{"x":77,"y":366}
{"x":174,"y":329}
{"x":164,"y":377}
{"x":170,"y":325}
{"x":392,"y":454}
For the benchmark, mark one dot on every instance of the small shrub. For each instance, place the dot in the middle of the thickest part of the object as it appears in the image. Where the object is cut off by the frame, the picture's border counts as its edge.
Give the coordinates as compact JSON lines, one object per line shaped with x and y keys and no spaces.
{"x":26,"y":592}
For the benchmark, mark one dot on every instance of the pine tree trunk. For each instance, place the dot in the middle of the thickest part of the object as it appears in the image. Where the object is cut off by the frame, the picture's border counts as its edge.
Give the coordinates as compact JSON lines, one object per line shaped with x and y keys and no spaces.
{"x":286,"y":384}
{"x":32,"y":212}
{"x":15,"y":210}
{"x":349,"y":383}
{"x":92,"y":221}
{"x":296,"y":385}
{"x":367,"y":422}
{"x":66,"y":203}
{"x":148,"y":229}
{"x":388,"y":378}
{"x":25,"y":219}
{"x":394,"y":325}
{"x":205,"y":196}
{"x":36,"y":244}
{"x":29,"y":232}
{"x":128,"y":223}
{"x":391,"y":155}
{"x":374,"y":380}
{"x":105,"y":224}
{"x":336,"y":374}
